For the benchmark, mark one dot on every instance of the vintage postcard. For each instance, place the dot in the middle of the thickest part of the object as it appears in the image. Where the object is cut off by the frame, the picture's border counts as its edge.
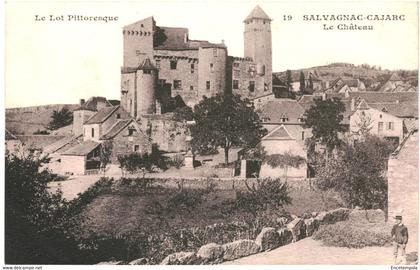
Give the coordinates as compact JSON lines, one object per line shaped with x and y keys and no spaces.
{"x":211,"y":133}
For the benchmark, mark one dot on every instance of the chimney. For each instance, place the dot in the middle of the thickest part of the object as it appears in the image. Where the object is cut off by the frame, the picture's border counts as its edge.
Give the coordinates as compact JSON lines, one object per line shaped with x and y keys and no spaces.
{"x":352,"y":104}
{"x":324,"y":96}
{"x":82,"y":101}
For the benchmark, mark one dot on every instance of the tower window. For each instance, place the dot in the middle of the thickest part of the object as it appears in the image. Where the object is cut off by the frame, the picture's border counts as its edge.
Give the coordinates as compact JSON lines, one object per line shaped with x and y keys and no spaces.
{"x":211,"y":67}
{"x":173,"y":64}
{"x":236,"y":65}
{"x":136,"y":148}
{"x":177,"y":85}
{"x":251,"y":86}
{"x":191,"y":87}
{"x":158,"y":63}
{"x":303,"y":135}
{"x":161,"y":82}
{"x":207,"y":85}
{"x":192,"y":68}
{"x":236,"y":73}
{"x":235,"y":84}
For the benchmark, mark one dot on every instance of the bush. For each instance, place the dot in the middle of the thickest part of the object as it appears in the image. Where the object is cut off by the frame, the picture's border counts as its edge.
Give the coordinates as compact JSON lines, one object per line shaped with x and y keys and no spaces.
{"x":41,"y":132}
{"x":177,"y":161}
{"x":352,"y":234}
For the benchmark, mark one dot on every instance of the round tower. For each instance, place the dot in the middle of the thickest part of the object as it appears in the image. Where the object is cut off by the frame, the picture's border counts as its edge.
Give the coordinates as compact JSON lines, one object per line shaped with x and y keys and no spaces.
{"x":145,"y":99}
{"x":257,"y":45}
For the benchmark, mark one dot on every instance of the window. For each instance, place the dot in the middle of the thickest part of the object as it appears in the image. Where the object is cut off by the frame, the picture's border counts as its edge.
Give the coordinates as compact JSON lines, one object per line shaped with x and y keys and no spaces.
{"x":191,"y":88}
{"x":147,"y":71}
{"x":118,"y":116}
{"x":136,"y":148}
{"x":158,"y":63}
{"x":93,"y":132}
{"x":173,"y":64}
{"x":380,"y":126}
{"x":235,"y":84}
{"x":207,"y":85}
{"x":138,"y":52}
{"x":236,"y":73}
{"x":192,"y":68}
{"x":211,"y":67}
{"x":251,"y":86}
{"x":131,"y":131}
{"x":236,"y":65}
{"x":391,"y":125}
{"x":177,"y":85}
{"x":303,"y":135}
{"x":284,"y":119}
{"x":161,"y":82}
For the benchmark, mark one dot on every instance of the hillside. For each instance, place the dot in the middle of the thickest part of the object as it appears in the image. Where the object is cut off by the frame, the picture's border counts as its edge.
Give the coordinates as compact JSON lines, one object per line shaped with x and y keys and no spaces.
{"x":28,"y":120}
{"x":370,"y":75}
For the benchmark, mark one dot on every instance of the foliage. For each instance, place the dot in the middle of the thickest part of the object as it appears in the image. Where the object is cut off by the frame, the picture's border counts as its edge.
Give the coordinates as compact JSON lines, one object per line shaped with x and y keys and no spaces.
{"x":225,"y":121}
{"x":302,"y":85}
{"x":324,"y":118}
{"x":183,"y":114}
{"x":268,"y":193}
{"x":105,"y":153}
{"x":177,"y":161}
{"x":61,"y":118}
{"x":353,"y":234}
{"x":363,"y":125}
{"x":284,"y":161}
{"x":145,"y":163}
{"x":289,"y":79}
{"x":358,"y":173}
{"x":159,"y":36}
{"x":36,"y":221}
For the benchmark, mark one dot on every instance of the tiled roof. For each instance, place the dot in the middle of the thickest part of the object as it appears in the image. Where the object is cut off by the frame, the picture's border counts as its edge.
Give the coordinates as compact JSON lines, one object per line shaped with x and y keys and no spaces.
{"x":9,"y":136}
{"x":273,"y":110}
{"x":115,"y":129}
{"x":102,"y":115}
{"x":92,"y":102}
{"x":380,"y":97}
{"x":279,"y":133}
{"x":404,"y":109}
{"x":82,"y":149}
{"x":352,"y":83}
{"x":257,"y":13}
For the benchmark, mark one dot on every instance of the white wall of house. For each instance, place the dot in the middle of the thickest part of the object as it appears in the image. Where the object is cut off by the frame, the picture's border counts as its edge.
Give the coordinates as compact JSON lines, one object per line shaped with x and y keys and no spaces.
{"x":87,"y":132}
{"x":281,"y":147}
{"x":382,"y":124}
{"x":73,"y":164}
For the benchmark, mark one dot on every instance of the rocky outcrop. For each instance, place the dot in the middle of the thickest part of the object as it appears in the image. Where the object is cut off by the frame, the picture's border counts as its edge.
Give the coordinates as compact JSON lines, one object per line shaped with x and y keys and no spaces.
{"x":181,"y":258}
{"x":141,"y":261}
{"x":297,"y":227}
{"x":286,"y":236}
{"x":210,"y":253}
{"x":332,"y":216}
{"x":311,"y":225}
{"x":239,"y":248}
{"x":268,"y":239}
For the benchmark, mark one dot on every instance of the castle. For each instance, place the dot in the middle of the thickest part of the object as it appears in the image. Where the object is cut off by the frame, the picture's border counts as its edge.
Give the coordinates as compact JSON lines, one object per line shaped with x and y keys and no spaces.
{"x":161,"y":63}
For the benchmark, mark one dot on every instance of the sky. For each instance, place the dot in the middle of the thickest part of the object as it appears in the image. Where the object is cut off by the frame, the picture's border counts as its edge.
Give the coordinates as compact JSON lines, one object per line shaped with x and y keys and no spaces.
{"x":54,"y":62}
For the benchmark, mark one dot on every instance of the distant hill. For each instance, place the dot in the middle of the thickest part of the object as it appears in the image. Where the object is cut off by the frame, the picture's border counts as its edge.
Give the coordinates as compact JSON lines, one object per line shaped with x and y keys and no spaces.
{"x":27,"y":120}
{"x":370,"y":75}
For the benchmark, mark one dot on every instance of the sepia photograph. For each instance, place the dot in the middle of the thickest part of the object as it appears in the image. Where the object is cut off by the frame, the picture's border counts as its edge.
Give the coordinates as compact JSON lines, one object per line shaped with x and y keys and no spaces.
{"x":215,"y":133}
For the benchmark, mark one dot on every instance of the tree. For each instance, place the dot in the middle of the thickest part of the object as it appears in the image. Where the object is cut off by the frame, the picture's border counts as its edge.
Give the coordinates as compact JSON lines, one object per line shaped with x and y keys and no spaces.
{"x":105,"y":154}
{"x":60,"y":118}
{"x":36,"y":221}
{"x":225,"y":121}
{"x":136,"y":162}
{"x":284,"y":161}
{"x":358,"y":173}
{"x":363,"y":125}
{"x":324,"y":118}
{"x":302,"y":86}
{"x":289,"y":79}
{"x":310,"y":86}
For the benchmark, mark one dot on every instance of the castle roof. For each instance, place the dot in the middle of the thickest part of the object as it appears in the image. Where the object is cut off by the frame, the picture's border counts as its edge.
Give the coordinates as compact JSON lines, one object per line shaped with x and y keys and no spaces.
{"x":116,"y":129}
{"x":257,"y":13}
{"x":147,"y":65}
{"x":91,"y":104}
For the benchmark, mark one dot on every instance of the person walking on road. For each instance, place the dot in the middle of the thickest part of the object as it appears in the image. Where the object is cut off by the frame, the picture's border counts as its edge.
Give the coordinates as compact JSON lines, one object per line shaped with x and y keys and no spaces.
{"x":399,"y":235}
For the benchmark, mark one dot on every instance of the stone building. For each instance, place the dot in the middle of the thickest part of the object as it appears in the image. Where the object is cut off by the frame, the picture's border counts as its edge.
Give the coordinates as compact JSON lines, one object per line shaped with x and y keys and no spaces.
{"x":163,"y":62}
